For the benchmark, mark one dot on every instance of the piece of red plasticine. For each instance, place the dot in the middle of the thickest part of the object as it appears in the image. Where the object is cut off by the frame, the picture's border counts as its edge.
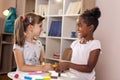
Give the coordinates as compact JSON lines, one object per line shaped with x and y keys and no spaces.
{"x":16,"y":75}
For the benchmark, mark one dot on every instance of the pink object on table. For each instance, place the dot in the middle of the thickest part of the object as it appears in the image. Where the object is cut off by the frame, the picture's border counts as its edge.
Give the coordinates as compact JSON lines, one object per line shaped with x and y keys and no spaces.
{"x":35,"y":73}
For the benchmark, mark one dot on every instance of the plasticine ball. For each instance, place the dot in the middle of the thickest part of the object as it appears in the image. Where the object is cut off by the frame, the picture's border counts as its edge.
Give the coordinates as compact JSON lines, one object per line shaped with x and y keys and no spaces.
{"x":16,"y":75}
{"x":55,"y":66}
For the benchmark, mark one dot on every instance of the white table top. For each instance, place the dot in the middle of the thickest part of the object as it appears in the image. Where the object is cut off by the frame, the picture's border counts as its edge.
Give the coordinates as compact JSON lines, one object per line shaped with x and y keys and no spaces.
{"x":34,"y":75}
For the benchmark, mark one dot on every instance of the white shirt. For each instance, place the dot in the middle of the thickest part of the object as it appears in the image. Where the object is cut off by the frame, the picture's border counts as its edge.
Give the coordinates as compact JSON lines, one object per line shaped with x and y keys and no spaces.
{"x":31,"y":52}
{"x":80,"y":55}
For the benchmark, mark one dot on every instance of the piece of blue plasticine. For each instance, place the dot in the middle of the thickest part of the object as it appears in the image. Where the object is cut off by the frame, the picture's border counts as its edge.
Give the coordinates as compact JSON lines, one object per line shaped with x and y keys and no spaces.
{"x":27,"y":78}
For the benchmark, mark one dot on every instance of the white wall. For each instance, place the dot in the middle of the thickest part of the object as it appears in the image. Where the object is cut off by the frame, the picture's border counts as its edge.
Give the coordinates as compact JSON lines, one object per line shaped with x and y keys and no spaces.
{"x":108,"y":67}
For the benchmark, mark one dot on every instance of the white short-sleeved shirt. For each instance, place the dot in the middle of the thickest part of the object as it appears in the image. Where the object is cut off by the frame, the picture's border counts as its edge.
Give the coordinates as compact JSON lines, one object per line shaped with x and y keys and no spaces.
{"x":81,"y":54}
{"x":31,"y":52}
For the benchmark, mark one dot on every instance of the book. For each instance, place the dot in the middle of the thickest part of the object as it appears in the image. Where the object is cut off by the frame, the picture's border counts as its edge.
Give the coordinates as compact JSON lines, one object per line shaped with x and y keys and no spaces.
{"x":74,"y":7}
{"x":55,"y":29}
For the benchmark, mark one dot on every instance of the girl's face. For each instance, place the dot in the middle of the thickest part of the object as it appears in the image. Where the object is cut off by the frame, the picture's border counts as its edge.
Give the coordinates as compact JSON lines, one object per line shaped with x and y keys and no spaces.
{"x":82,"y":28}
{"x":37,"y":29}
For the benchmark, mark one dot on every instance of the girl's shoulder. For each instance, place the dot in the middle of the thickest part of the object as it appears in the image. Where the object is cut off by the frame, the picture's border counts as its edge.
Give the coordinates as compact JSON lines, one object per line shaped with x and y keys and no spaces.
{"x":38,"y":42}
{"x":96,"y":41}
{"x":75,"y":42}
{"x":95,"y":44}
{"x":15,"y":46}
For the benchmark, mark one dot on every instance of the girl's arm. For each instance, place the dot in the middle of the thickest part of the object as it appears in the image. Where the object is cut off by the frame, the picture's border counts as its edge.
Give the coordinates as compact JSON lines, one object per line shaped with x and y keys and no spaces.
{"x":21,"y":64}
{"x":41,"y":57}
{"x":93,"y":58}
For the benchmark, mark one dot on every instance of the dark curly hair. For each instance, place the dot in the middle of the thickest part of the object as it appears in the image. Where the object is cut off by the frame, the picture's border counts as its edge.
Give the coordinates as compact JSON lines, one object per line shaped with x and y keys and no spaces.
{"x":91,"y":17}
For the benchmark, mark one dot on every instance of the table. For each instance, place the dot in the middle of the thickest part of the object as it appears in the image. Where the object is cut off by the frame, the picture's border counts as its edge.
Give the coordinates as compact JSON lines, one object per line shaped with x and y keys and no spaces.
{"x":64,"y":76}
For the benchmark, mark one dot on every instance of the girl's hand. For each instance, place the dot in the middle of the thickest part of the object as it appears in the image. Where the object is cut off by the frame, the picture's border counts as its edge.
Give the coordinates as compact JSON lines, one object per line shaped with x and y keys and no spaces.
{"x":62,"y":66}
{"x":47,"y":67}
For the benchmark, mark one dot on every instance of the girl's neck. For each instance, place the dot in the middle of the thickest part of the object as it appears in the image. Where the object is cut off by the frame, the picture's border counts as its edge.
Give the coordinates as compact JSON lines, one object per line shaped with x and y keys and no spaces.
{"x":29,"y":38}
{"x":86,"y":39}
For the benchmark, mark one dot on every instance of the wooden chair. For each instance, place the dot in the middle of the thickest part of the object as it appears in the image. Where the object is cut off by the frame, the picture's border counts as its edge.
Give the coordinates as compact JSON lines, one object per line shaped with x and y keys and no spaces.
{"x":67,"y":54}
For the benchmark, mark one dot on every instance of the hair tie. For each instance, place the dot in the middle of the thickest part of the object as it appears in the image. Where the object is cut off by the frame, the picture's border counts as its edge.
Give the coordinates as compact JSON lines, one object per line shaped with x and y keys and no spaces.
{"x":30,"y":19}
{"x":23,"y":18}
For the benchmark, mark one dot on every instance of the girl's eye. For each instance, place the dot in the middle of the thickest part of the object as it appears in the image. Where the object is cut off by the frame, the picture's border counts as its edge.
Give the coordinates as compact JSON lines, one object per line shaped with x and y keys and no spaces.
{"x":79,"y":25}
{"x":40,"y":26}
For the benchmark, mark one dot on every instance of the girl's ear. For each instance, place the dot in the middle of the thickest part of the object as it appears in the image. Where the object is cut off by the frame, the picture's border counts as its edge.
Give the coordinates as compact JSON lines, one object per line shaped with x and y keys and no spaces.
{"x":91,"y":28}
{"x":30,"y":27}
